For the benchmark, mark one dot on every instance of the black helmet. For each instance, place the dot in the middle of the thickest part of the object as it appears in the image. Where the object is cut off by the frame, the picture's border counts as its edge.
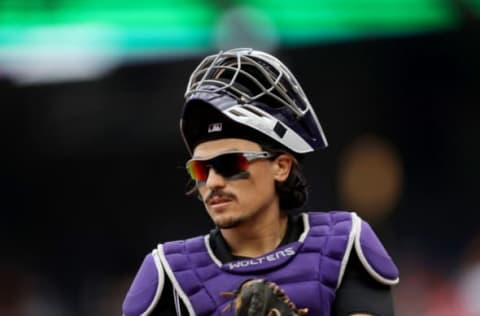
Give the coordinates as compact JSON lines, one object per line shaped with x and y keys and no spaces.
{"x":253,"y":91}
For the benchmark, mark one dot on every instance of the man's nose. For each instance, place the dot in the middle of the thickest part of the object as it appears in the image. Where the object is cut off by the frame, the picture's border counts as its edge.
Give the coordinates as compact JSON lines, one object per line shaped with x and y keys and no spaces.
{"x":214,"y":179}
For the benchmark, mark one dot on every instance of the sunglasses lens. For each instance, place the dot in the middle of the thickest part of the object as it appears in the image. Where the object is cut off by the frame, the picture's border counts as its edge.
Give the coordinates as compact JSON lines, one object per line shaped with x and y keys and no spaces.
{"x":198,"y":170}
{"x":226,"y":165}
{"x":230,"y":164}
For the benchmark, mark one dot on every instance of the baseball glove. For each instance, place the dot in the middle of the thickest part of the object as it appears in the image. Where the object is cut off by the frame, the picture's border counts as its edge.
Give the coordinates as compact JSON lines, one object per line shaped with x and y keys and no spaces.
{"x":259,"y":297}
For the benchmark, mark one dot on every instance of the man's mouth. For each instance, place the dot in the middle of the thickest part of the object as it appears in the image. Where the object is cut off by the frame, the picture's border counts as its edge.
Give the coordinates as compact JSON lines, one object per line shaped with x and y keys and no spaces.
{"x":218,"y":197}
{"x":218,"y":200}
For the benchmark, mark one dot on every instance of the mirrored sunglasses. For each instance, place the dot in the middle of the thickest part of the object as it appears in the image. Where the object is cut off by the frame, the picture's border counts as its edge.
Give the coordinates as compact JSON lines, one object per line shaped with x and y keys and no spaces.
{"x":228,"y":164}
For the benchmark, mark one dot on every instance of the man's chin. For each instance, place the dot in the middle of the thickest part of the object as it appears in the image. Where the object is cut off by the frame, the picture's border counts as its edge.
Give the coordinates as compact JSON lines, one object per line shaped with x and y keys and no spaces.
{"x":227,"y":223}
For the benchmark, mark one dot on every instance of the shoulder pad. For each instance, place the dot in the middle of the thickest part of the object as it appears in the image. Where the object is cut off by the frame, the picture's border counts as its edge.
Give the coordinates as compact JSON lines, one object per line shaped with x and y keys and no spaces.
{"x":146,"y":288}
{"x":372,"y":254}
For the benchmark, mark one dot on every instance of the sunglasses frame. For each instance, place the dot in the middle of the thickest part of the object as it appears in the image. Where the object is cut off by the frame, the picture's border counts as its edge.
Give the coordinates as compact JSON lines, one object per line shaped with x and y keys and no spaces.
{"x":249,"y":156}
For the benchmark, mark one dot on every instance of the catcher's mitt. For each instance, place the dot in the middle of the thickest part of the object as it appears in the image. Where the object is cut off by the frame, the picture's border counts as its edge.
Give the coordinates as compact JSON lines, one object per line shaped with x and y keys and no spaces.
{"x":259,"y":297}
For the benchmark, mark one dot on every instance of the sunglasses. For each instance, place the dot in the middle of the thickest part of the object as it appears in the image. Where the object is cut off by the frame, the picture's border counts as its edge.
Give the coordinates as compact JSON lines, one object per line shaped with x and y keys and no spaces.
{"x":228,"y":164}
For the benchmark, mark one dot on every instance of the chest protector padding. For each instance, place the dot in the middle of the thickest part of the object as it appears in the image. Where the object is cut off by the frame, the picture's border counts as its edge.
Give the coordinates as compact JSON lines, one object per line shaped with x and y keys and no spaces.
{"x":308,"y":270}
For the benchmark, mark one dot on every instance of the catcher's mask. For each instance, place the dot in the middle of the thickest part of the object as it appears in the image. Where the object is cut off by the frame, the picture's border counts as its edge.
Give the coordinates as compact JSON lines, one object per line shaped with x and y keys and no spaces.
{"x":254,"y":91}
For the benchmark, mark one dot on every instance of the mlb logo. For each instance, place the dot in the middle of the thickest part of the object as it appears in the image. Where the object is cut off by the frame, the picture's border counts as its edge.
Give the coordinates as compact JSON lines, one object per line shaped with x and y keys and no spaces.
{"x":215,"y":127}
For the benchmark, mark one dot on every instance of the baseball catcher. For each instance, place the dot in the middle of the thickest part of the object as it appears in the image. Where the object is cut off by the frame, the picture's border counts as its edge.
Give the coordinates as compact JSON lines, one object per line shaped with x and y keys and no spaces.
{"x":247,"y":126}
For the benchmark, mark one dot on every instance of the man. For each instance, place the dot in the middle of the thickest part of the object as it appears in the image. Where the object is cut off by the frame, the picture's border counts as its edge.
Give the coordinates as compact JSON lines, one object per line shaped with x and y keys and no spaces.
{"x":248,"y":124}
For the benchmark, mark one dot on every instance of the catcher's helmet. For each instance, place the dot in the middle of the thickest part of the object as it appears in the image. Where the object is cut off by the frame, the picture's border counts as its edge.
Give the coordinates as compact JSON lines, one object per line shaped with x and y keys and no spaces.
{"x":252,"y":90}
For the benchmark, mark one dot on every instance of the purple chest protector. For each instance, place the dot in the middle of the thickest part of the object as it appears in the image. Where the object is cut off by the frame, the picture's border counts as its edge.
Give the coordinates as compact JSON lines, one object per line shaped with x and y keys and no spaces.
{"x":309,"y":270}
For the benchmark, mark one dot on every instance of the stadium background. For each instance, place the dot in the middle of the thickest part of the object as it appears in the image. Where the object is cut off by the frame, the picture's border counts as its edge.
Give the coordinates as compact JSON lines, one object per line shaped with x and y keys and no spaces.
{"x":91,"y":168}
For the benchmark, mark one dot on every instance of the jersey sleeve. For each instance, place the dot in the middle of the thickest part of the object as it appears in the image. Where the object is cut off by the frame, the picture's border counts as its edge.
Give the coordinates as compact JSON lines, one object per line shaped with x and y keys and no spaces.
{"x":360,"y":293}
{"x":146,"y":288}
{"x":364,"y":284}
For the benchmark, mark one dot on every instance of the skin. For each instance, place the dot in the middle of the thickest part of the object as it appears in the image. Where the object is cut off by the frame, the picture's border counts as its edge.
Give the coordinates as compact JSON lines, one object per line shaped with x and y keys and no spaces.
{"x":246,"y":209}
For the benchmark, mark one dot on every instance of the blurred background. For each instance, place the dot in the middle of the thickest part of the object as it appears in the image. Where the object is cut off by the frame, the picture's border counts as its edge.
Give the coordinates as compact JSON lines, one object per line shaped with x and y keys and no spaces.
{"x":91,"y":172}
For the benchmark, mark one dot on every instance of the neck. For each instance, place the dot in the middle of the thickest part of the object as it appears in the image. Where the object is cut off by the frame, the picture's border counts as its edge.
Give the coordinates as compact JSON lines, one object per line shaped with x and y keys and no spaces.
{"x":257,"y":236}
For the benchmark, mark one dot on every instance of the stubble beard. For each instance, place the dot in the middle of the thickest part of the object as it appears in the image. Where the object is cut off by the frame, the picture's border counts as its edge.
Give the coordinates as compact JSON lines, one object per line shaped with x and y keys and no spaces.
{"x":228,"y":223}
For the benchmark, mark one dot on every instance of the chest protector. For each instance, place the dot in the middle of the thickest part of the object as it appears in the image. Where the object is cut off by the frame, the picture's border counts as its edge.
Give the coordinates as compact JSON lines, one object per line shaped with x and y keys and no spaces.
{"x":308,"y":270}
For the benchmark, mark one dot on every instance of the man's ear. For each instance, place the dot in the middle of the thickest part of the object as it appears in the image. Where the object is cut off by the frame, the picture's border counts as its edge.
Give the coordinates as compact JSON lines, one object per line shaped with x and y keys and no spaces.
{"x":282,"y":166}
